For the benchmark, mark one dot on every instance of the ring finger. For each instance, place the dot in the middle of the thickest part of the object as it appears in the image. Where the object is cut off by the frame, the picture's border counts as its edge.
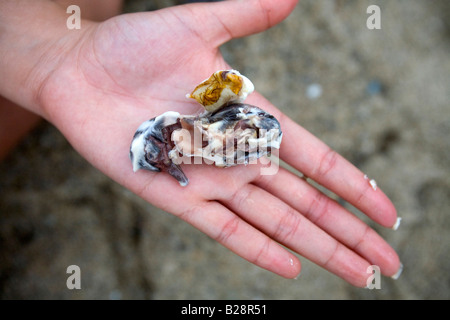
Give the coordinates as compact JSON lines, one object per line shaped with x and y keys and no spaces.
{"x":332,"y":218}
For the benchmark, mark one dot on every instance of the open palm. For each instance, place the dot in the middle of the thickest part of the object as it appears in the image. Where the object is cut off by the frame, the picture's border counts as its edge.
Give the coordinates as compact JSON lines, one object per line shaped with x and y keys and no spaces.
{"x":119,"y":73}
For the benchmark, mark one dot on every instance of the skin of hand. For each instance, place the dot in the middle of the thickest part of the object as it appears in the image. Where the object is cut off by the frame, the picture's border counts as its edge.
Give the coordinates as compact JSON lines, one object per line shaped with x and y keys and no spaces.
{"x":99,"y":83}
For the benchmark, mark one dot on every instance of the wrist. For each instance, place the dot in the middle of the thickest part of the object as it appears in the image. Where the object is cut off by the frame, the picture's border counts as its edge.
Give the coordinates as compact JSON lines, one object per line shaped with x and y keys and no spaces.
{"x":35,"y":39}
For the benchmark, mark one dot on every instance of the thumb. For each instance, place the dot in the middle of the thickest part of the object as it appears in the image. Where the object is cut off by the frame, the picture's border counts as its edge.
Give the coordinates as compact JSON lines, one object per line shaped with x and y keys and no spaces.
{"x":222,"y":21}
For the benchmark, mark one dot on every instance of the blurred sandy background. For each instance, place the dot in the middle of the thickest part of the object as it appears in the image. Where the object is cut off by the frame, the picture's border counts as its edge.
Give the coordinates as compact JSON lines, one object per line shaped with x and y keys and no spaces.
{"x":379,"y":97}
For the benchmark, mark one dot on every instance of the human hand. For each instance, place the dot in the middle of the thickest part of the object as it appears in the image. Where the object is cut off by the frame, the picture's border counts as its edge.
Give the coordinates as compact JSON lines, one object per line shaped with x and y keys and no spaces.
{"x":112,"y":76}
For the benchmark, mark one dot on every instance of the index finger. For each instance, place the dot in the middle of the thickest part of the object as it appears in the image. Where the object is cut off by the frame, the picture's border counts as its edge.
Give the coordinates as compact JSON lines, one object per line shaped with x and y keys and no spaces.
{"x":315,"y":159}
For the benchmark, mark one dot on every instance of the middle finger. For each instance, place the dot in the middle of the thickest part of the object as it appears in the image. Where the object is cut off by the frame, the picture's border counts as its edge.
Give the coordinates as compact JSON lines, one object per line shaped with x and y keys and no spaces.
{"x":287,"y":226}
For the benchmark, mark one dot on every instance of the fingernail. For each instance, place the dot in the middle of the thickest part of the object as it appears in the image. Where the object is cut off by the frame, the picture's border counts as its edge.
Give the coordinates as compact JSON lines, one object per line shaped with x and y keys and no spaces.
{"x":397,"y":224}
{"x":292,"y":264}
{"x":398,"y":273}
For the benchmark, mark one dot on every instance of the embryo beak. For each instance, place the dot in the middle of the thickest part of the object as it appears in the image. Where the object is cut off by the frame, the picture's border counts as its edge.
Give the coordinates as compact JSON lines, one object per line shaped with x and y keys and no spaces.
{"x":176,"y":172}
